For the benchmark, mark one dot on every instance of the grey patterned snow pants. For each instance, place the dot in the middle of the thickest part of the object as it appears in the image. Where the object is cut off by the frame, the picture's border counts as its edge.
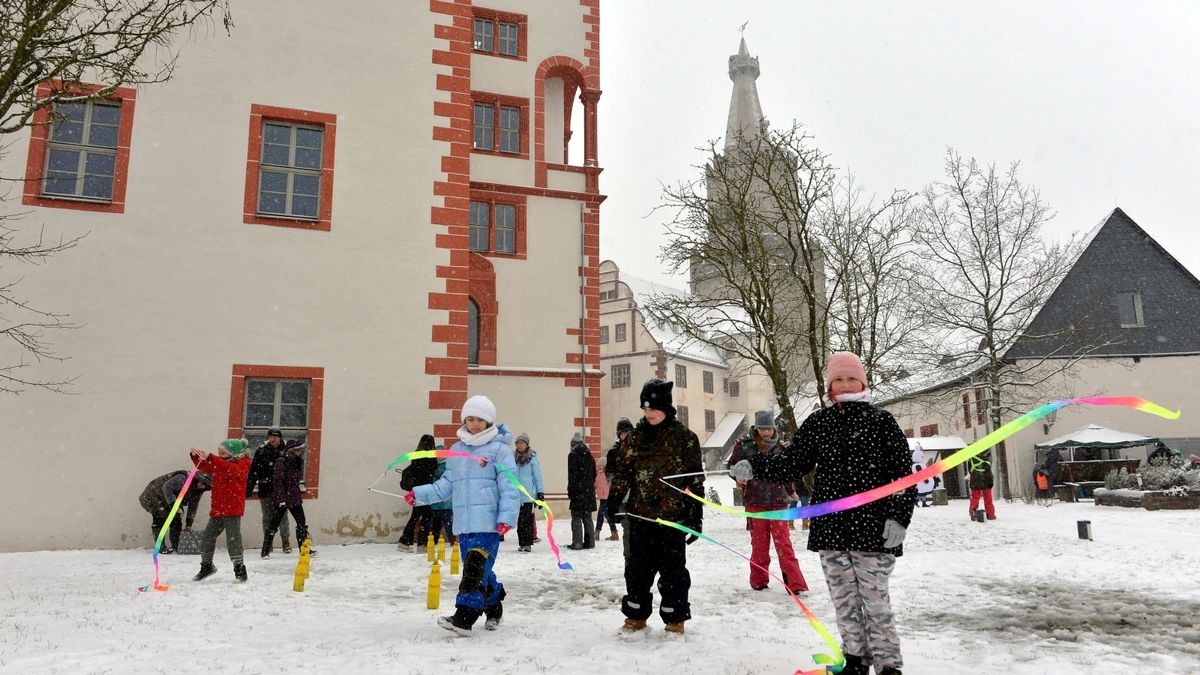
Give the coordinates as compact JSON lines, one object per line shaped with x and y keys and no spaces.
{"x":858,"y":586}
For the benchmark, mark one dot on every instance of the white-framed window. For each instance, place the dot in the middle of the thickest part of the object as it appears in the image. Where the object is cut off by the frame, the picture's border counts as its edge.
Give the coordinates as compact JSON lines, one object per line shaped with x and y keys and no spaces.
{"x":710,"y":420}
{"x":620,"y":375}
{"x":289,"y":174}
{"x":603,"y":335}
{"x":508,"y":33}
{"x":680,"y":376}
{"x":485,"y":34}
{"x":487,"y":236}
{"x":620,"y":330}
{"x":1129,"y":309}
{"x":81,"y":153}
{"x":276,"y":403}
{"x":735,"y":388}
{"x":506,"y":138}
{"x":708,"y":382}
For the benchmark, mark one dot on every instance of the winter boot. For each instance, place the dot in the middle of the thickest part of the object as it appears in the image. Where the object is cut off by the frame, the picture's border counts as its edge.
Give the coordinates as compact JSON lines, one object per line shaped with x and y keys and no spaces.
{"x":855,"y":666}
{"x":804,"y":524}
{"x":461,"y":621}
{"x":493,"y":614}
{"x":614,"y":536}
{"x":676,"y":628}
{"x":889,"y":671}
{"x":206,"y":571}
{"x":633,"y":625}
{"x":239,"y":574}
{"x":472,"y":575}
{"x":266,"y":549}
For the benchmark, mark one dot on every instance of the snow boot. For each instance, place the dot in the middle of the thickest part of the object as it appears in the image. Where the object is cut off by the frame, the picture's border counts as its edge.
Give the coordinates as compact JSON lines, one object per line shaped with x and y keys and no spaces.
{"x":676,"y":628}
{"x":614,"y":536}
{"x":855,"y":666}
{"x":473,"y":569}
{"x":493,"y":614}
{"x":266,"y":549}
{"x":206,"y":571}
{"x":239,"y":574}
{"x":461,"y":621}
{"x":633,"y":625}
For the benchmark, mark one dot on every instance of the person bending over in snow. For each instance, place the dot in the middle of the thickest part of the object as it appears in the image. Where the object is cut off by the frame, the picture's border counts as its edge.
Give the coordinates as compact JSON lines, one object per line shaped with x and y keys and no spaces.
{"x":854,"y":447}
{"x":485,"y":506}
{"x":229,"y":467}
{"x":660,"y":445}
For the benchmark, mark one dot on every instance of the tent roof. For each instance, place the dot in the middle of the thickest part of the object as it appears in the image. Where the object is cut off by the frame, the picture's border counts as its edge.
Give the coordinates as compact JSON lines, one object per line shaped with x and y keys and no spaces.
{"x":1095,"y":436}
{"x":937,"y":443}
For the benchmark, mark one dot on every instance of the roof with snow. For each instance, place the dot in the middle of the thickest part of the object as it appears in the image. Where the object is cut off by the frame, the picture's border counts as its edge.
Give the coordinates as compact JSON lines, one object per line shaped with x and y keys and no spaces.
{"x":725,"y":431}
{"x":673,"y":341}
{"x":1095,"y":436}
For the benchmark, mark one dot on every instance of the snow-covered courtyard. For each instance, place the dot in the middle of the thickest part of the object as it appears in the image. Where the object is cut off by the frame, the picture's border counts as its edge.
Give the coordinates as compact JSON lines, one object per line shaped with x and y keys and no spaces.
{"x":1021,"y":594}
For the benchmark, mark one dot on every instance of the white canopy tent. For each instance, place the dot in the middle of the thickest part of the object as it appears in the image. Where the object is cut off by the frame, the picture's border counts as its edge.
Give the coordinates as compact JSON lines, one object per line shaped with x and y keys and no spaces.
{"x":1096,"y":436}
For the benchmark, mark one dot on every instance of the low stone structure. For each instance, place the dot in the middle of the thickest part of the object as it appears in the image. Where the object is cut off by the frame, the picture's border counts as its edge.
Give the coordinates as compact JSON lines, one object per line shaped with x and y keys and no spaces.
{"x":1149,"y":500}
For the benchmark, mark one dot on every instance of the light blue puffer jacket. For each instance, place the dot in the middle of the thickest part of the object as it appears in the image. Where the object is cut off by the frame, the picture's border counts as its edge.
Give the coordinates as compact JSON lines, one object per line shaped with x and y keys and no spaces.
{"x":482,"y":496}
{"x":530,"y":474}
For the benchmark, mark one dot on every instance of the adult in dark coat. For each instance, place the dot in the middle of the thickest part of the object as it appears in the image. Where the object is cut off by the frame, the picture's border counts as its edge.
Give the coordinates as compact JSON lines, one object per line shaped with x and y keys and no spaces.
{"x":262,"y":473}
{"x":581,"y":493}
{"x":1053,"y":457}
{"x":420,"y":472}
{"x":160,"y":494}
{"x":612,"y":464}
{"x":286,"y":495}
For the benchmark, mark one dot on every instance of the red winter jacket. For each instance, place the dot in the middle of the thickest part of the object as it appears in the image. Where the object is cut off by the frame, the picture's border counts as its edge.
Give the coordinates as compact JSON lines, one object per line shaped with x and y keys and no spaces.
{"x":229,"y":484}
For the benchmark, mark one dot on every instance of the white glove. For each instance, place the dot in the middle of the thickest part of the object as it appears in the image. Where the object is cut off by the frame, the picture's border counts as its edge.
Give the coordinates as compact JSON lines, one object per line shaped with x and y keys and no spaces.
{"x":893,"y":534}
{"x":742,"y":470}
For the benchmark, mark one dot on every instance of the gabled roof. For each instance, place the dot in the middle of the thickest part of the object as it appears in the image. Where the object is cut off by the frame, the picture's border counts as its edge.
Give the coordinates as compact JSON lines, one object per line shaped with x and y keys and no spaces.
{"x":672,"y":340}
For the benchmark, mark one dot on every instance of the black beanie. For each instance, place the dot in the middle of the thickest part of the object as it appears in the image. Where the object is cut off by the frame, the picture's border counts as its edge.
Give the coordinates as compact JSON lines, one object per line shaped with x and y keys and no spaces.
{"x":624,"y":424}
{"x":656,"y":394}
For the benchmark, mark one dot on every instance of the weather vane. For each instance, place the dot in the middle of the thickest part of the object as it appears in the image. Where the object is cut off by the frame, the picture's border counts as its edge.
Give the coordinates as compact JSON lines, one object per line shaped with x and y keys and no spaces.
{"x":742,"y":30}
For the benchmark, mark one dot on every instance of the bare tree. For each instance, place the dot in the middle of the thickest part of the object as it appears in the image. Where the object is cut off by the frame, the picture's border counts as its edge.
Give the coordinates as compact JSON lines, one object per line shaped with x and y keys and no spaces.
{"x":986,"y":271}
{"x":85,"y":50}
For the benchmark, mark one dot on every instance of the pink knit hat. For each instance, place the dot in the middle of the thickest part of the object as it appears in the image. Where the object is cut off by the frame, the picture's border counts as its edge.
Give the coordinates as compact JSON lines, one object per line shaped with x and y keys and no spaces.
{"x":845,"y":364}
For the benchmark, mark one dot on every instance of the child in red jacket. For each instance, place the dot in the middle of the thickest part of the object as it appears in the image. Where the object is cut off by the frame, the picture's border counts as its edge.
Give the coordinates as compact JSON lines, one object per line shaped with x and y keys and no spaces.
{"x":229,"y":466}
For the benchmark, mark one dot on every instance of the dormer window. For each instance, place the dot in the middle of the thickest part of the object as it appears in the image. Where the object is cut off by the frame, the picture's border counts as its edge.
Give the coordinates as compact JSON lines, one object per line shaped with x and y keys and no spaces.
{"x":1129,"y":310}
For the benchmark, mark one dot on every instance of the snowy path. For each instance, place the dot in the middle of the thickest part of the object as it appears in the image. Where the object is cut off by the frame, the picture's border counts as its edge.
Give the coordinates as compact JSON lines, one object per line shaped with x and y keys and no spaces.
{"x":1017,"y":595}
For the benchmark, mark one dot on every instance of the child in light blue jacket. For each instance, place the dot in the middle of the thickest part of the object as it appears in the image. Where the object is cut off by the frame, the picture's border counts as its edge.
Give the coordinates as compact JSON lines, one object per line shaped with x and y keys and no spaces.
{"x":485,"y":506}
{"x":529,"y":471}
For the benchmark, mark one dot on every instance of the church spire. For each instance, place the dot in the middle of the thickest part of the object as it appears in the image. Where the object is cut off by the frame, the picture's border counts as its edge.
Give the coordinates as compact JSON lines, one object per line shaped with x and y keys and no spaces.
{"x":745,"y":112}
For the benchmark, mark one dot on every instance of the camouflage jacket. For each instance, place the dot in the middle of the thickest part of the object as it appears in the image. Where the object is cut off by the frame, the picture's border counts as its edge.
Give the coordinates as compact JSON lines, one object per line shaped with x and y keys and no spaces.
{"x":647,"y":454}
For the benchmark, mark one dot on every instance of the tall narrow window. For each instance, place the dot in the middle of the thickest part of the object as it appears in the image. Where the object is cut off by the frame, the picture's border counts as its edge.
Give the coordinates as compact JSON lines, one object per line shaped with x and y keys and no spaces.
{"x":980,"y":405}
{"x":620,"y":328}
{"x":1129,"y":309}
{"x":620,"y":375}
{"x":480,"y":226}
{"x":710,"y":420}
{"x":484,"y":126}
{"x":603,"y":335}
{"x":289,"y":172}
{"x":966,"y":406}
{"x":708,"y":382}
{"x":272,"y":403}
{"x":510,"y":129}
{"x":472,"y":332}
{"x":735,"y":388}
{"x":681,"y":413}
{"x":285,"y":397}
{"x":506,"y":228}
{"x":509,"y":40}
{"x":484,"y":30}
{"x":681,"y":376}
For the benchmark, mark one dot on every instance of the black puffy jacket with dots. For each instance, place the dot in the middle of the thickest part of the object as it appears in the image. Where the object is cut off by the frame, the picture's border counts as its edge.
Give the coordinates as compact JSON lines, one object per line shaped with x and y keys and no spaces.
{"x":853,"y":447}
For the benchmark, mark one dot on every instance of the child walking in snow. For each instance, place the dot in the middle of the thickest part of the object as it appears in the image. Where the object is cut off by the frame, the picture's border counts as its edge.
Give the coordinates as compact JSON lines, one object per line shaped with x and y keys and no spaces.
{"x":529,"y":472}
{"x":286,"y":495}
{"x":763,"y":495}
{"x":854,"y":447}
{"x":485,"y":507}
{"x":229,"y":467}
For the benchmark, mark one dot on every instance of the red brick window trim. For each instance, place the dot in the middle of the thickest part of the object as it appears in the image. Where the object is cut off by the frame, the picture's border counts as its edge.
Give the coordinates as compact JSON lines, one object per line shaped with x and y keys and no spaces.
{"x":311,"y":430}
{"x":908,"y":433}
{"x":493,"y":117}
{"x":497,"y":224}
{"x":494,"y":33}
{"x":97,"y":159}
{"x":298,"y":150}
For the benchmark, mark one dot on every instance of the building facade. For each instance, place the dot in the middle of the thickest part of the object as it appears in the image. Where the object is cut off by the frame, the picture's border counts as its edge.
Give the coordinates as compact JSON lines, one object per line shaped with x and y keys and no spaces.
{"x":339,"y":222}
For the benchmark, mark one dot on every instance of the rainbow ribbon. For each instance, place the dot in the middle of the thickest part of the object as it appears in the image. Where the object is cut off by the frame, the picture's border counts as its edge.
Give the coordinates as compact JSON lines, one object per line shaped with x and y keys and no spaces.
{"x":162,"y":533}
{"x":823,"y":659}
{"x":512,"y":478}
{"x":942,"y":465}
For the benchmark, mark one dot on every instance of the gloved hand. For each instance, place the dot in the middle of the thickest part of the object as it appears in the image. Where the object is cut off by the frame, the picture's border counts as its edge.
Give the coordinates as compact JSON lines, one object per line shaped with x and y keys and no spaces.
{"x":410,"y":498}
{"x":893,"y":534}
{"x":503,"y":529}
{"x":694,"y":520}
{"x":742,"y":470}
{"x":541,"y":496}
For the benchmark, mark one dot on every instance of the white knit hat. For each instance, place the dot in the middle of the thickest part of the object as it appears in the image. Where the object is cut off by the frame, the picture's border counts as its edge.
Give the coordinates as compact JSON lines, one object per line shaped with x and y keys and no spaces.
{"x":481,"y":407}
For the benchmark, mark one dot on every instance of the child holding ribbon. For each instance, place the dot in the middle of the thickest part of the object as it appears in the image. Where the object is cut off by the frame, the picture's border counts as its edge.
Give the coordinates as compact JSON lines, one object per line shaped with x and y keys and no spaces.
{"x":853,"y":447}
{"x":485,"y":506}
{"x":229,"y":467}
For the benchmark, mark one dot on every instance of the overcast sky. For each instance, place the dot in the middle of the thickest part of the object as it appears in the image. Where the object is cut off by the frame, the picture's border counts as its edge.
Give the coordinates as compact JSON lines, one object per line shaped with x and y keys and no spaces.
{"x":1099,"y":101}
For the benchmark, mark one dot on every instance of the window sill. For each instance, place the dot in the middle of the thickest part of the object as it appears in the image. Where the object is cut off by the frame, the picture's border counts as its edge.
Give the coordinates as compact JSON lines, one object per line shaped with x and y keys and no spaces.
{"x":76,"y":203}
{"x":500,"y":153}
{"x":285,"y":221}
{"x":509,"y":57}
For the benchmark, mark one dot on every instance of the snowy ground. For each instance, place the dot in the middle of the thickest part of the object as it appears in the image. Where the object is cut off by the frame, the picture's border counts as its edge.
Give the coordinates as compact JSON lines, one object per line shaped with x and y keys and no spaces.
{"x":1021,"y":594}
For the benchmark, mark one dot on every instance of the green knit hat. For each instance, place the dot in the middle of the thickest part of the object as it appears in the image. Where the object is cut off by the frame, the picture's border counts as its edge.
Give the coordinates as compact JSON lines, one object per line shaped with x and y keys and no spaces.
{"x":235,"y":446}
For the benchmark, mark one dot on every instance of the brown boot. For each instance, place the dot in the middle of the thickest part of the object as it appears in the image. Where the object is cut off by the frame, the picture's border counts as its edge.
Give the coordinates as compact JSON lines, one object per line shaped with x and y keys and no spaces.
{"x":633,"y":625}
{"x":614,"y":536}
{"x":804,"y":524}
{"x":675,"y":628}
{"x":791,"y":524}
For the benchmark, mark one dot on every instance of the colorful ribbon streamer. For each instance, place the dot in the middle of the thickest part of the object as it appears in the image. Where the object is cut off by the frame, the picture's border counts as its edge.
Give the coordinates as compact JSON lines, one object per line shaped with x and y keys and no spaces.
{"x":942,"y":465}
{"x":512,"y":478}
{"x":822,"y":659}
{"x":162,"y":533}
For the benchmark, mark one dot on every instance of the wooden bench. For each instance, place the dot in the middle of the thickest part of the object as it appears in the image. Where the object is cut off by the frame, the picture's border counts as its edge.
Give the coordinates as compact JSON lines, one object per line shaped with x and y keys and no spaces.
{"x":1080,"y":489}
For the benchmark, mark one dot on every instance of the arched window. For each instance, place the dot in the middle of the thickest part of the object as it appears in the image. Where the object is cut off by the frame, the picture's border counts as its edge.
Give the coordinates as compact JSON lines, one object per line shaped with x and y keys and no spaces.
{"x":472,"y":332}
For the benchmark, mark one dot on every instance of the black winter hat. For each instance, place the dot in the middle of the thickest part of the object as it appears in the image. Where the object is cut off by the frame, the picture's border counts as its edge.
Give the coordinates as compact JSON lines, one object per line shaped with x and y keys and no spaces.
{"x":274,"y":432}
{"x":624,"y":424}
{"x":656,"y":395}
